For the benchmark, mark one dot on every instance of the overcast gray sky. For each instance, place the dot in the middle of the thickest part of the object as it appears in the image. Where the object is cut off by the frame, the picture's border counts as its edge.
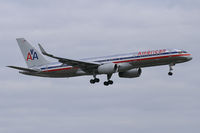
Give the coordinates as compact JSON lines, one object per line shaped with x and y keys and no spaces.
{"x":153,"y":103}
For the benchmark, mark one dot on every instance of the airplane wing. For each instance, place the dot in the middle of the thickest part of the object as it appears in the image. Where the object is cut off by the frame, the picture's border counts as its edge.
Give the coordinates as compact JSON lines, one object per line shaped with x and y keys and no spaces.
{"x":75,"y":63}
{"x":24,"y":69}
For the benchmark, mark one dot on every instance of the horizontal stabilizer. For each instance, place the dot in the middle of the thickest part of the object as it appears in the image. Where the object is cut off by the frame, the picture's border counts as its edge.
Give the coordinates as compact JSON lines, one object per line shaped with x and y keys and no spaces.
{"x":24,"y":69}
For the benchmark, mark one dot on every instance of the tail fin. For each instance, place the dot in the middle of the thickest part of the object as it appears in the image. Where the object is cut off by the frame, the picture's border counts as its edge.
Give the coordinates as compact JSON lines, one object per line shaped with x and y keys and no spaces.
{"x":32,"y":57}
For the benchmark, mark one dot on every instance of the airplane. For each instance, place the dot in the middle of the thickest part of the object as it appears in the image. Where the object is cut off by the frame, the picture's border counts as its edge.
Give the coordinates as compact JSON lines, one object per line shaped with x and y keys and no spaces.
{"x":126,"y":65}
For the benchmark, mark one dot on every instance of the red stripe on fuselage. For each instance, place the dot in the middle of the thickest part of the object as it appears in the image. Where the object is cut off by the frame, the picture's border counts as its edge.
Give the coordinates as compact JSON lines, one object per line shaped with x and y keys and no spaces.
{"x":151,"y":58}
{"x":60,"y":69}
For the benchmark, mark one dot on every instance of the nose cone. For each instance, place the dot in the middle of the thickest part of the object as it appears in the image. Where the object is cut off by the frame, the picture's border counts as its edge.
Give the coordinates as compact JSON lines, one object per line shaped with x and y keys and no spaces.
{"x":189,"y":58}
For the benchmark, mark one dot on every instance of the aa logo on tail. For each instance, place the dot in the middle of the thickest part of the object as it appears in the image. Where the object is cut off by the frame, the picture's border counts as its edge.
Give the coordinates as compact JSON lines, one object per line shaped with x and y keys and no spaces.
{"x":32,"y":55}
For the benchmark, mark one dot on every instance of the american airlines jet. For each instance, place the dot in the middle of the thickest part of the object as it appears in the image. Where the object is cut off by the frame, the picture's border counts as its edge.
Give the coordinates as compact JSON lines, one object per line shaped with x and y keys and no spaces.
{"x":126,"y":65}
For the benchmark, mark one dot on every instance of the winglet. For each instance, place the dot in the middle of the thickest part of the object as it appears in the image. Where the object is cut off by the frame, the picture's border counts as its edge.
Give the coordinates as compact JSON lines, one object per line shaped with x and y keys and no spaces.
{"x":42,"y":49}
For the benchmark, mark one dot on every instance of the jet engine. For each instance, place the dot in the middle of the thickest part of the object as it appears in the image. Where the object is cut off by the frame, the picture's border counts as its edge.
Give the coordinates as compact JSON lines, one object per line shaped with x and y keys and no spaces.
{"x":107,"y":68}
{"x":122,"y":67}
{"x":133,"y":73}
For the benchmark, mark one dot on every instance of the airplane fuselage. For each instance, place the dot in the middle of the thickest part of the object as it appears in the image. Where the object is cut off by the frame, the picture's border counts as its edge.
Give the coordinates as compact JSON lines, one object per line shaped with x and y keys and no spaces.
{"x":126,"y":65}
{"x":124,"y":61}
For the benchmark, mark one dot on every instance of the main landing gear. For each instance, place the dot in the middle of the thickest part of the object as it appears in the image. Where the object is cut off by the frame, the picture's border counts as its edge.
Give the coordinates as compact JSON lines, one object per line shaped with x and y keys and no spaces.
{"x":106,"y":83}
{"x":109,"y":82}
{"x":170,"y":69}
{"x":95,"y":80}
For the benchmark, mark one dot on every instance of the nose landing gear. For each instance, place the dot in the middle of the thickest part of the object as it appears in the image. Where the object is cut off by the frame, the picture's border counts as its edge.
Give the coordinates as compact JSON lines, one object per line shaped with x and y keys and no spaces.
{"x":170,"y":73}
{"x":170,"y":69}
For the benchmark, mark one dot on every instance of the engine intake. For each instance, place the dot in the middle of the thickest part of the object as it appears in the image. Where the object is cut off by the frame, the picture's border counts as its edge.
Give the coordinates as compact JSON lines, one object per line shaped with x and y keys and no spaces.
{"x":133,"y":73}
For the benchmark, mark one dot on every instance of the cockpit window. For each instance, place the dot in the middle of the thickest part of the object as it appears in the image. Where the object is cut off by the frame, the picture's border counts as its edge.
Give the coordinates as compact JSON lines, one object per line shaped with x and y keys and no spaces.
{"x":181,"y":52}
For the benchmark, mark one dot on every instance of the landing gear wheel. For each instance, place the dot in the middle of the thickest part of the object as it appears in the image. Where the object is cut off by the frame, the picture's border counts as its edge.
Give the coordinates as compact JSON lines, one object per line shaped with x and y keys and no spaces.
{"x":106,"y":83}
{"x":170,"y":73}
{"x":171,"y":69}
{"x":110,"y":82}
{"x":92,"y":81}
{"x":96,"y":80}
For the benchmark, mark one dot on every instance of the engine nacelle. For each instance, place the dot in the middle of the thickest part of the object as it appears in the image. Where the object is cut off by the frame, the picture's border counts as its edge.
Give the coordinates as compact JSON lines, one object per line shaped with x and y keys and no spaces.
{"x":133,"y":73}
{"x":122,"y":67}
{"x":107,"y":68}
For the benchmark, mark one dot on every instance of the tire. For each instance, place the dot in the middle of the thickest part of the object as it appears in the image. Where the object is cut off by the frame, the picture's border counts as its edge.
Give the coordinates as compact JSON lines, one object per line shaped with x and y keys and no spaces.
{"x":106,"y":83}
{"x":170,"y":73}
{"x":110,"y":82}
{"x":92,"y":81}
{"x":96,"y":80}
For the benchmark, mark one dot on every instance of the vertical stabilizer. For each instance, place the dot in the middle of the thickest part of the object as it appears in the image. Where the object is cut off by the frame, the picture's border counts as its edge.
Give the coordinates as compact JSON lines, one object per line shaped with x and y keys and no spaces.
{"x":32,"y":57}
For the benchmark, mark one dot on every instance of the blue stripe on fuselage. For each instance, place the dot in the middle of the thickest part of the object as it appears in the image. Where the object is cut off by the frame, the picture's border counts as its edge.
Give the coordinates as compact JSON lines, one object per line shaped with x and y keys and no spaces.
{"x":133,"y":57}
{"x":115,"y":59}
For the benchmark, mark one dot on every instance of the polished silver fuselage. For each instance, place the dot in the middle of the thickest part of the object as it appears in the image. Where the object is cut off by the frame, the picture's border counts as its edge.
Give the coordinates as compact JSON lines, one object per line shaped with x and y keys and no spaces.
{"x":133,"y":60}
